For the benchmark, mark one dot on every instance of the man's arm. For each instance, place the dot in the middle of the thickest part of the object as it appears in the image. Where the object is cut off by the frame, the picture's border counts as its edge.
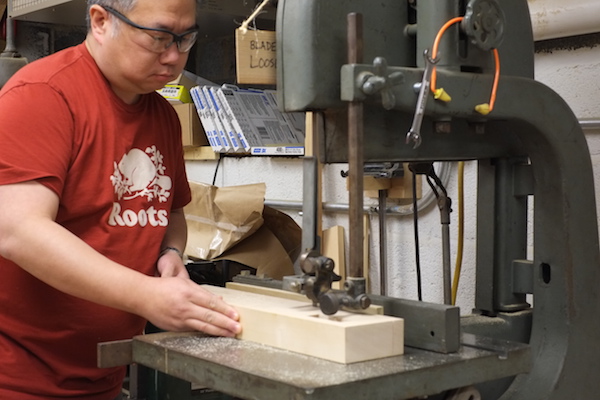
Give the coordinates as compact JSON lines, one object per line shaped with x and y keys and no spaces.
{"x":170,"y":262}
{"x":27,"y":221}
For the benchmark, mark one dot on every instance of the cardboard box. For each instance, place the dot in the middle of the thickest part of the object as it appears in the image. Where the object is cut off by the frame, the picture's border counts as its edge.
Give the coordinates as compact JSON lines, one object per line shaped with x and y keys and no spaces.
{"x":178,"y":90}
{"x":176,"y":94}
{"x":189,"y":80}
{"x":256,"y":57}
{"x":192,"y":133}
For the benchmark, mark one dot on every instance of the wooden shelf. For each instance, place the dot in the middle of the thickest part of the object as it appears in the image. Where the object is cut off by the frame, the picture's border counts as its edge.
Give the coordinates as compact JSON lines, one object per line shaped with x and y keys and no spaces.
{"x":200,"y":153}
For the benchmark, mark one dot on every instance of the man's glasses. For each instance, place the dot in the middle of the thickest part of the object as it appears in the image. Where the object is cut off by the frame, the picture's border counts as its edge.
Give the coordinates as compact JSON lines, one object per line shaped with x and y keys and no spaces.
{"x":159,"y":40}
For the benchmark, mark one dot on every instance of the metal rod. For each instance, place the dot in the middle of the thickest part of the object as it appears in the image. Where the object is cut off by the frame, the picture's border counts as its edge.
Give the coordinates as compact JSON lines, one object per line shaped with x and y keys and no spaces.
{"x":589,"y":124}
{"x":355,"y":155}
{"x":309,"y":206}
{"x":382,"y":242}
{"x":446,"y":262}
{"x":10,"y":48}
{"x":339,"y":207}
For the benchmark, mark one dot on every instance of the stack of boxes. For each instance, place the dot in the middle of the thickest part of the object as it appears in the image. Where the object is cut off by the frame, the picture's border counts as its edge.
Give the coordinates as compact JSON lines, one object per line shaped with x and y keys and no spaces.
{"x":233,"y":120}
{"x":178,"y":94}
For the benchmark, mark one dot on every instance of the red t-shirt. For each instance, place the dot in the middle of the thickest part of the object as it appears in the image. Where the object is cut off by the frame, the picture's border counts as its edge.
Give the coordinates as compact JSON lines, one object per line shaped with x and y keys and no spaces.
{"x":118,"y":170}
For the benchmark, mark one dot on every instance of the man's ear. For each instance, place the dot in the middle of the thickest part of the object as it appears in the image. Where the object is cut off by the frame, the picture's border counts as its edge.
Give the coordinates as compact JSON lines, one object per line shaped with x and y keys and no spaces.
{"x":100,"y":24}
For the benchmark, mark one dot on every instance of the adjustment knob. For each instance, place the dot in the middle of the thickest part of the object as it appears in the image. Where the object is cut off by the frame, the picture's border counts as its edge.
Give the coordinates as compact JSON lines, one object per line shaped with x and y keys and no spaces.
{"x":329,"y":303}
{"x":484,"y":23}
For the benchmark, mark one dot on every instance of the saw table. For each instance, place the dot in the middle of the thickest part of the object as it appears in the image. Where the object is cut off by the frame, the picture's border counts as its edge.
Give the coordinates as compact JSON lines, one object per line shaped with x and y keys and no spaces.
{"x":254,"y":371}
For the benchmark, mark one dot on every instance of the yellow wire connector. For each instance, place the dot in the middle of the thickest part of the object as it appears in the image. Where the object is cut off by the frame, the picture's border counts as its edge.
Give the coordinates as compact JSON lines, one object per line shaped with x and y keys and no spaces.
{"x":440,"y":94}
{"x":483,"y":109}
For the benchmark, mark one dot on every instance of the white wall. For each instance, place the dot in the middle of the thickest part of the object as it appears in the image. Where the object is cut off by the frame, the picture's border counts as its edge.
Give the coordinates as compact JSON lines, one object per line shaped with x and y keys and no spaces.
{"x":574,"y":74}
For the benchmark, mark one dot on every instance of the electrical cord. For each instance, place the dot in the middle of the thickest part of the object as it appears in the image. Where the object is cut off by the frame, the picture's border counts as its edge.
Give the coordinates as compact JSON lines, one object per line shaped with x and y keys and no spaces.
{"x":416,"y":233}
{"x":440,"y":94}
{"x":461,"y":234}
{"x":425,"y":201}
{"x":216,"y":171}
{"x":496,"y":79}
{"x":445,"y":206}
{"x":434,"y":50}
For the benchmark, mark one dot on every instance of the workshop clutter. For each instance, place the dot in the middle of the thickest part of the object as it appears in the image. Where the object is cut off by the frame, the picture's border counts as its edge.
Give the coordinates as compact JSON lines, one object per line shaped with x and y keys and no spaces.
{"x":247,"y":121}
{"x":177,"y":92}
{"x":233,"y":120}
{"x":232,"y":223}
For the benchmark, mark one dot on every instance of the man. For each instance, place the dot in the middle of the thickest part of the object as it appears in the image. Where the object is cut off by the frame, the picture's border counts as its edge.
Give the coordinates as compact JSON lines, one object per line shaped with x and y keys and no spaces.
{"x":92,"y":186}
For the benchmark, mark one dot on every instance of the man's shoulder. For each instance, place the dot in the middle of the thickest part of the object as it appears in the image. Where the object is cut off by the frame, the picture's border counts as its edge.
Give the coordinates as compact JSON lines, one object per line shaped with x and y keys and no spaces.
{"x":65,"y":64}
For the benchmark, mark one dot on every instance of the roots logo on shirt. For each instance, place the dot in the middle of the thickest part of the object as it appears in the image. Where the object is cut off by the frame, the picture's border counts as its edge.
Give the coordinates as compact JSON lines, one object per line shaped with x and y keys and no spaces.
{"x":140,"y":174}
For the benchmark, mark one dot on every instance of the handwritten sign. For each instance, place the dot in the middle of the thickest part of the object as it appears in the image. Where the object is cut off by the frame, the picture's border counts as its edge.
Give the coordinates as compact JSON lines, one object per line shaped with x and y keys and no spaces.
{"x":256,"y":57}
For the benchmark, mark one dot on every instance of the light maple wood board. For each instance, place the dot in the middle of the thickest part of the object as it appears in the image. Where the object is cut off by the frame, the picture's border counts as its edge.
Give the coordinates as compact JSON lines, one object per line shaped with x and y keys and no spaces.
{"x":334,"y":248}
{"x":299,"y":327}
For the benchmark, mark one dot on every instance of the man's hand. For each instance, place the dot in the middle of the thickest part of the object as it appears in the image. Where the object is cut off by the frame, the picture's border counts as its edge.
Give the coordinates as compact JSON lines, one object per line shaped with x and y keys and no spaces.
{"x":179,"y":304}
{"x":189,"y":306}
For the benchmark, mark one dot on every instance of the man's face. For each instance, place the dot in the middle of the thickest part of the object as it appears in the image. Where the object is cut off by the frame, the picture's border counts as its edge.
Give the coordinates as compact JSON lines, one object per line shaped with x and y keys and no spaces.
{"x":132,"y":64}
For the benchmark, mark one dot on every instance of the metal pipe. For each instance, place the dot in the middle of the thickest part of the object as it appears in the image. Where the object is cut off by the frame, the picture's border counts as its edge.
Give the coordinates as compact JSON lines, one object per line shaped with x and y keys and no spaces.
{"x":589,"y":124}
{"x":446,"y":264}
{"x":10,"y":60}
{"x":553,"y":19}
{"x":309,"y":207}
{"x":10,"y":48}
{"x":382,"y":242}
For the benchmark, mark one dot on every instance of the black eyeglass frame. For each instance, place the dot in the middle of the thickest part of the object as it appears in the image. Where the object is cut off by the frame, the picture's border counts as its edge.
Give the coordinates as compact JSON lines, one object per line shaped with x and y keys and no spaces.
{"x":176,"y":38}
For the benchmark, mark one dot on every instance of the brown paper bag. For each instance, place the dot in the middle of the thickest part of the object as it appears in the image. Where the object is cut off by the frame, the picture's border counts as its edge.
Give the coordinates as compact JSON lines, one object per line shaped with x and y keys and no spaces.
{"x":220,"y":217}
{"x":272,"y":249}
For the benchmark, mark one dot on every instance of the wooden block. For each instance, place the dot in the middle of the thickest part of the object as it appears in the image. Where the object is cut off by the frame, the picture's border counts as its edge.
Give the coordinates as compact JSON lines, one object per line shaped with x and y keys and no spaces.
{"x":371,"y":183}
{"x":299,"y":327}
{"x":399,"y":188}
{"x":286,"y":294}
{"x":200,"y":153}
{"x":334,"y":248}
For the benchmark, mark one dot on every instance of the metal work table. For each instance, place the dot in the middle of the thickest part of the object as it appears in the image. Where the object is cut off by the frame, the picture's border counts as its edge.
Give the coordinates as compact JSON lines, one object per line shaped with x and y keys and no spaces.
{"x":254,"y":371}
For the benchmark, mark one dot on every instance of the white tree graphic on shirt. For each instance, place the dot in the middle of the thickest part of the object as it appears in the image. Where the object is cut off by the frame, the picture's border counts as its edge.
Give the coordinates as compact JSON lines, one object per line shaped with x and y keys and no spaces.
{"x":141,"y":174}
